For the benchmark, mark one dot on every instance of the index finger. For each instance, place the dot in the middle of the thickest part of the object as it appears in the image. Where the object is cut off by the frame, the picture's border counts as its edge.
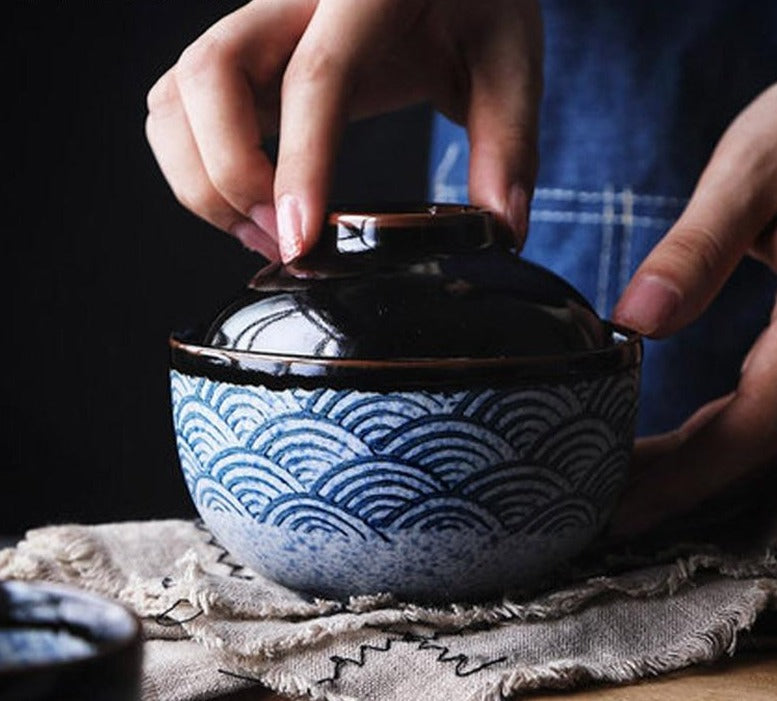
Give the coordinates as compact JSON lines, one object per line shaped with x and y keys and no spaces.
{"x":217,"y":76}
{"x":732,"y":203}
{"x":316,"y":87}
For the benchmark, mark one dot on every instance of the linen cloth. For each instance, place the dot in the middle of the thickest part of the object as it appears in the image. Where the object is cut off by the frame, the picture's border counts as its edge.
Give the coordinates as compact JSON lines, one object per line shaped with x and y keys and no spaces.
{"x":212,"y":626}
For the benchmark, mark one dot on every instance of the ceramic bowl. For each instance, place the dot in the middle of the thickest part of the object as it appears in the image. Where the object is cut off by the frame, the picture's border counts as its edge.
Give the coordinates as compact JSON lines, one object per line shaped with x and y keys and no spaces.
{"x":58,"y":642}
{"x":411,"y":409}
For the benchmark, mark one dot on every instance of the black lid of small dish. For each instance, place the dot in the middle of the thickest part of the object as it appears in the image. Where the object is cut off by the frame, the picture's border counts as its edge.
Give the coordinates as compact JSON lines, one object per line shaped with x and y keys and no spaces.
{"x":403,"y":285}
{"x":433,"y":283}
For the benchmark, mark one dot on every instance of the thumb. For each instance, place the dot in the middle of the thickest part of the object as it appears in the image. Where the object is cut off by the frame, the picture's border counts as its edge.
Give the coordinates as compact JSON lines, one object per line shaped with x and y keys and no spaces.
{"x":733,"y":202}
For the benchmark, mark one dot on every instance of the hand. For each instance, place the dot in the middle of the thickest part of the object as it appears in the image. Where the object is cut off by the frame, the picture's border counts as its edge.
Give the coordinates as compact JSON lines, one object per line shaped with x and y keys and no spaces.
{"x":303,"y":67}
{"x":733,"y":211}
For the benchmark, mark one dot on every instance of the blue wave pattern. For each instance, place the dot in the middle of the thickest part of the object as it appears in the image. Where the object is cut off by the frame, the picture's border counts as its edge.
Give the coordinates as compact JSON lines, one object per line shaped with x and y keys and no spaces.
{"x":535,"y":460}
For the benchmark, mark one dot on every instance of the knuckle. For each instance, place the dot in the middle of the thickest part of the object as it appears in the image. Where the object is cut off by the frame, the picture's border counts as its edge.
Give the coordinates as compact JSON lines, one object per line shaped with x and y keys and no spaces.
{"x":696,"y":249}
{"x":148,"y":127}
{"x":521,"y":143}
{"x":209,"y":50}
{"x":757,"y":425}
{"x":313,"y":67}
{"x":230,"y":175}
{"x":520,"y":137}
{"x":195,"y":194}
{"x":190,"y":197}
{"x":202,"y":200}
{"x":162,"y":93}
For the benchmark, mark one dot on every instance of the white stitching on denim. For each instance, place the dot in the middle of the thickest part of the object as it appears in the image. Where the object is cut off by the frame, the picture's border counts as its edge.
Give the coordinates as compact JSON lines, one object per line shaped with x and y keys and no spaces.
{"x":565,"y":194}
{"x":458,"y":193}
{"x":560,"y":216}
{"x":449,"y":193}
{"x":443,"y":192}
{"x":605,"y":253}
{"x":628,"y":231}
{"x":446,"y":192}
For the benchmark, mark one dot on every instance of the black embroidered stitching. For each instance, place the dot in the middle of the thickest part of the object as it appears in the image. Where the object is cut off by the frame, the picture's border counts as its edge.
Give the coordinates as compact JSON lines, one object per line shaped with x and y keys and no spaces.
{"x":164,"y":618}
{"x":341,"y":662}
{"x":239,"y":676}
{"x":224,"y":557}
{"x":425,"y":642}
{"x":256,"y":680}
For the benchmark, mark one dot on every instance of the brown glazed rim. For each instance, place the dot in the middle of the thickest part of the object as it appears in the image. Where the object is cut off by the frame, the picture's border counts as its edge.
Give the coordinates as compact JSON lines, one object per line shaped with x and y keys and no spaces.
{"x":405,"y":216}
{"x":271,"y":369}
{"x":383,"y":231}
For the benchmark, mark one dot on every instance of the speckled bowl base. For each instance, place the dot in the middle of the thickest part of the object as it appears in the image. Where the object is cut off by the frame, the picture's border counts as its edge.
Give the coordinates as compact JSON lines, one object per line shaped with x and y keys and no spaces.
{"x":413,"y":565}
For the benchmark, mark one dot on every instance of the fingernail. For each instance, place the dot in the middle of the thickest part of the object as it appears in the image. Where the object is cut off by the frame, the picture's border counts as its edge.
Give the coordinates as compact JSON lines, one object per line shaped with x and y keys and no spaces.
{"x":263,"y":215}
{"x":648,"y":304}
{"x":517,"y":213}
{"x":255,"y":239}
{"x":289,"y":228}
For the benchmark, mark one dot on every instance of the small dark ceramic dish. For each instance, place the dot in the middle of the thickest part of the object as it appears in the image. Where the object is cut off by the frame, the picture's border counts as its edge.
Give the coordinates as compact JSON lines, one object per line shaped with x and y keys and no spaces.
{"x":58,"y":642}
{"x":411,"y":408}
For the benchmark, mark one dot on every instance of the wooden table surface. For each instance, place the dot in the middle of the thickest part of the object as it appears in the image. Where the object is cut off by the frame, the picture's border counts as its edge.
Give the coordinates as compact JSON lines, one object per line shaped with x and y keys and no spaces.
{"x":748,"y":676}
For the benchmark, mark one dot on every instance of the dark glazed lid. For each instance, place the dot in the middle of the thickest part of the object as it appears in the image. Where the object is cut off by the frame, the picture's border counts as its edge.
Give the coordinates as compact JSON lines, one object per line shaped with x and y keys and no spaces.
{"x":60,"y":642}
{"x":422,"y":286}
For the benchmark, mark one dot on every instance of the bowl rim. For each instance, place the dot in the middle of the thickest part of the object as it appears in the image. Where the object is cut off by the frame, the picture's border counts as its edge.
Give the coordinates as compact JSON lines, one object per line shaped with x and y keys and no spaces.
{"x":402,"y":214}
{"x":250,"y":367}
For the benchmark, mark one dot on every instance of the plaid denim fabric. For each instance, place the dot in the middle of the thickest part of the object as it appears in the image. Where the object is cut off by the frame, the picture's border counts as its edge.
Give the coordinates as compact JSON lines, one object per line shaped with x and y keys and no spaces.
{"x":636,"y":96}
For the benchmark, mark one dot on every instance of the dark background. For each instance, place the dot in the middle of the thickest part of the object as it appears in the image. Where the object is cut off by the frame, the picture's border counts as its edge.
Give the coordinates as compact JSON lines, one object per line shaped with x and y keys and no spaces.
{"x":102,"y":263}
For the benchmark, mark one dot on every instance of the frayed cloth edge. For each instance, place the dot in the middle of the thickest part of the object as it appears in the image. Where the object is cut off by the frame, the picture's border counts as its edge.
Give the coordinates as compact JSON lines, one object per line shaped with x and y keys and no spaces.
{"x":703,"y":646}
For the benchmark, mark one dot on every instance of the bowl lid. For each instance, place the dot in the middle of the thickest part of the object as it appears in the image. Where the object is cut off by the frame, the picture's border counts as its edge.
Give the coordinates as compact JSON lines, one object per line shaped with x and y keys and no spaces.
{"x":407,"y":284}
{"x":67,"y":641}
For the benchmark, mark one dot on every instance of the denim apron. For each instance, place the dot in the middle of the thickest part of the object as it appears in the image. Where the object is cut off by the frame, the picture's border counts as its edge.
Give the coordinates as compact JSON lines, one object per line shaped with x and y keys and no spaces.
{"x":636,"y":96}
